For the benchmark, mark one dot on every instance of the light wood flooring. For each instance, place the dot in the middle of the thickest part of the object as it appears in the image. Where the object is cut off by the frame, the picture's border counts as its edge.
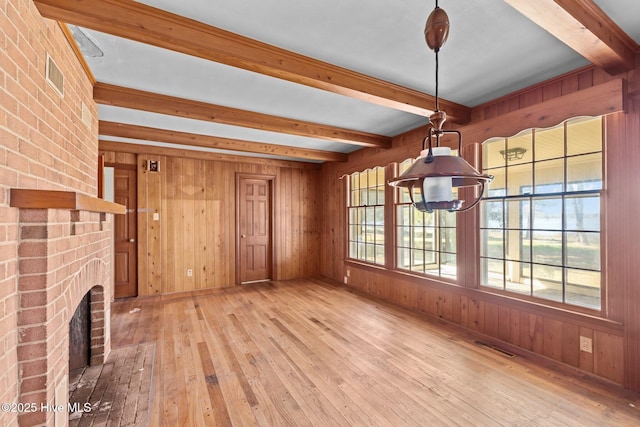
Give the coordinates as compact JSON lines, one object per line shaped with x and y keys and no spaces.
{"x":308,"y":353}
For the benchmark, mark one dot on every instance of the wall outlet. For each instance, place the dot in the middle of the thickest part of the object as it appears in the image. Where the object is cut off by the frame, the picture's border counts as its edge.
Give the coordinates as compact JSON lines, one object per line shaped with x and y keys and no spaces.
{"x":189,"y":272}
{"x":586,"y":345}
{"x":348,"y":272}
{"x":156,"y":216}
{"x":346,"y":280}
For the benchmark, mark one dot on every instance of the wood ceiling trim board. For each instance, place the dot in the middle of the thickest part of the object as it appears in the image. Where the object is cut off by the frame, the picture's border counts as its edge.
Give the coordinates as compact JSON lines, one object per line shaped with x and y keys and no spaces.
{"x":583,"y":26}
{"x":153,"y":26}
{"x":190,"y":153}
{"x":140,"y":100}
{"x":184,"y":138}
{"x":602,"y":99}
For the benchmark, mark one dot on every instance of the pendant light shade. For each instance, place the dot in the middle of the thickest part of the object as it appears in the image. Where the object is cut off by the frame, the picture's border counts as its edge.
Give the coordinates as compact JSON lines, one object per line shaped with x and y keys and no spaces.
{"x":432,"y":177}
{"x":429,"y":179}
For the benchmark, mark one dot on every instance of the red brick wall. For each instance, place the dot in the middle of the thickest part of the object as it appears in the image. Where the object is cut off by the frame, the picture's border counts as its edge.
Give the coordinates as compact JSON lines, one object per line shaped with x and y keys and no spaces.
{"x":62,"y":256}
{"x":44,"y":144}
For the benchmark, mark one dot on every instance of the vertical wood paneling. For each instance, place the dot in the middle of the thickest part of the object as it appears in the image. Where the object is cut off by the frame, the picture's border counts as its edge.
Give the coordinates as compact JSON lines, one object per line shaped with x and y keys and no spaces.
{"x":571,"y":344}
{"x":608,"y":358}
{"x":188,"y":227}
{"x":623,"y":229}
{"x":514,"y":334}
{"x":143,"y":230}
{"x":552,"y":339}
{"x":201,"y":253}
{"x":196,"y":230}
{"x":491,"y":319}
{"x":154,"y":234}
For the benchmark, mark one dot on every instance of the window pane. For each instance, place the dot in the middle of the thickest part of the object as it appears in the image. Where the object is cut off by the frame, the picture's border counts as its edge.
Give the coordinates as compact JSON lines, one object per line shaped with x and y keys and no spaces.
{"x":417,"y":263}
{"x":491,"y":243}
{"x":431,"y":262}
{"x":547,"y":214}
{"x":583,"y":250}
{"x":353,"y":250}
{"x":492,"y":273}
{"x":448,"y":265}
{"x":491,"y":156}
{"x":447,"y":219}
{"x":549,"y":176}
{"x":448,"y":240}
{"x":584,"y":136}
{"x":515,"y":247}
{"x":516,"y":280}
{"x":582,"y":213}
{"x":404,"y":258}
{"x":379,"y":254}
{"x":497,"y":187}
{"x":549,"y":143}
{"x":517,"y":215}
{"x":417,"y":237}
{"x":547,"y":247}
{"x":584,"y":172}
{"x":547,"y":282}
{"x":430,"y":237}
{"x":491,"y":214}
{"x":519,"y":179}
{"x":356,"y":235}
{"x":519,"y":149}
{"x":583,"y":288}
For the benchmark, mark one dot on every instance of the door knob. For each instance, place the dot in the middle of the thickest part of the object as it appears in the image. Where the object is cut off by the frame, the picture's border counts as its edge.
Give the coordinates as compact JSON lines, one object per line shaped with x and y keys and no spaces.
{"x":132,"y":240}
{"x":243,"y":235}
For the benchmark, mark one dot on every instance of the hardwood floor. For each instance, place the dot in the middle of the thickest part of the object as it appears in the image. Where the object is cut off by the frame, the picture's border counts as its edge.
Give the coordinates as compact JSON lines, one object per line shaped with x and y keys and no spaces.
{"x":306,"y":353}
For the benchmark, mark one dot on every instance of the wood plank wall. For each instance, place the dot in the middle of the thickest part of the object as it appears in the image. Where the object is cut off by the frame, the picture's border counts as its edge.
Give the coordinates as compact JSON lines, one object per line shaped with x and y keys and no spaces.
{"x":547,"y":331}
{"x":196,"y":203}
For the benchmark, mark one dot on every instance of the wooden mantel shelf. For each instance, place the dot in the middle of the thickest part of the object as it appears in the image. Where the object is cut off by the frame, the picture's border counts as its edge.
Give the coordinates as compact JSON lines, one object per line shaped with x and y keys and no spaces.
{"x":48,"y":199}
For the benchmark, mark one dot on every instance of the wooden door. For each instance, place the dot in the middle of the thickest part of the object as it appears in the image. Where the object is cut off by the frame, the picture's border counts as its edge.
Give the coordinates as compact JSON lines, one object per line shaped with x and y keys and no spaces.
{"x":126,"y":265}
{"x":254,"y":228}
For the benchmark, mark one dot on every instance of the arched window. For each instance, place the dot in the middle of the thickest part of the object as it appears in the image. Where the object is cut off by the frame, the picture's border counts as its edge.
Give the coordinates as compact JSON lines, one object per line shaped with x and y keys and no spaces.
{"x":366,"y":196}
{"x":540,"y":219}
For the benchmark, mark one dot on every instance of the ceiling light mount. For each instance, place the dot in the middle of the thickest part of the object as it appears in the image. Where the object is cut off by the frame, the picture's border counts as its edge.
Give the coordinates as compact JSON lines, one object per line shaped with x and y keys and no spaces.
{"x":436,"y":172}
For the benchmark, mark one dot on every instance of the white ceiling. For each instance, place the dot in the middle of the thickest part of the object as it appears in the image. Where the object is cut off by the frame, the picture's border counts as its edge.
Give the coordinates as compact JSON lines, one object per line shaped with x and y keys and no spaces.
{"x":492,"y":50}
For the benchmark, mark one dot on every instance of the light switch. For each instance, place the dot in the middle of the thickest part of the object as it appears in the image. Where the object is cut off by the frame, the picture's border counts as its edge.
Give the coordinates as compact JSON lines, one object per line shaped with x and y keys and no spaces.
{"x":156,"y":216}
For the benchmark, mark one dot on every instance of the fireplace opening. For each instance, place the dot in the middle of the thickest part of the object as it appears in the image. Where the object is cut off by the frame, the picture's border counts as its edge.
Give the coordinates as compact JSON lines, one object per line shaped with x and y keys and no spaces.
{"x":80,"y":336}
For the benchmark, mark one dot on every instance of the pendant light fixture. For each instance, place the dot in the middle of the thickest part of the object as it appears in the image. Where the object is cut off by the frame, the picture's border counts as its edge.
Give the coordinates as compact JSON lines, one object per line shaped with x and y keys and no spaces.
{"x":432,"y":177}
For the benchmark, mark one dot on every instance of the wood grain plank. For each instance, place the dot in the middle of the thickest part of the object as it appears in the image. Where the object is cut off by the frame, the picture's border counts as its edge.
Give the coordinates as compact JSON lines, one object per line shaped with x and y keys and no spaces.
{"x":304,"y":352}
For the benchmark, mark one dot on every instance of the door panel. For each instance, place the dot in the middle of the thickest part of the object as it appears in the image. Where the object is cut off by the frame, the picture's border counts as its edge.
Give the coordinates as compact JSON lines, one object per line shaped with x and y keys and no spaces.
{"x":126,"y":284}
{"x":254,"y":218}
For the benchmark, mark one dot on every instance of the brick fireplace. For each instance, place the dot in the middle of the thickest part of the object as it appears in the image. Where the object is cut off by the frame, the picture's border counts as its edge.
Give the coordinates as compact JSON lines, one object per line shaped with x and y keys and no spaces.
{"x":51,"y":255}
{"x":62,"y":255}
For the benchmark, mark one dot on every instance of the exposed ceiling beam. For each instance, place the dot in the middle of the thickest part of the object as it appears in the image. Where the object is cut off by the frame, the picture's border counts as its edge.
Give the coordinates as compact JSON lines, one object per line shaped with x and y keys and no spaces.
{"x":142,"y":23}
{"x":140,"y":100}
{"x":195,"y":153}
{"x":583,"y":26}
{"x":197,"y":140}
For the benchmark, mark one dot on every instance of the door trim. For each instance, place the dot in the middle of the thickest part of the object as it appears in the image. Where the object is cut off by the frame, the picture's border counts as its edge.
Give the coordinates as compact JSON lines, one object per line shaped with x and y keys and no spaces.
{"x":272,"y":179}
